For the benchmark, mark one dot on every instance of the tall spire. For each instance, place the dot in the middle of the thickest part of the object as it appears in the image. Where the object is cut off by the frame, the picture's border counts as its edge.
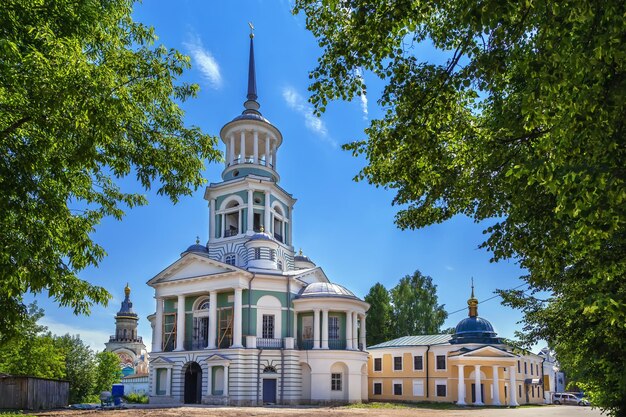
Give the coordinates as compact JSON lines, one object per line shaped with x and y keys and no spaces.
{"x":251,"y":105}
{"x":472,"y":303}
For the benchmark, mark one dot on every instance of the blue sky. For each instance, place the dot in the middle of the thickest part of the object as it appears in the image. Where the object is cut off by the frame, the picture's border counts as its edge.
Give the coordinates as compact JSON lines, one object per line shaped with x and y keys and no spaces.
{"x":345,"y":227}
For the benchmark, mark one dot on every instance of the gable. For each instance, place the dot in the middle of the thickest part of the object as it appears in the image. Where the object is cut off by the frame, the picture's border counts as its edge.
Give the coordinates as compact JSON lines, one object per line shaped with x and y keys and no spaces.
{"x":313,"y":275}
{"x":191,"y":266}
{"x":486,"y":352}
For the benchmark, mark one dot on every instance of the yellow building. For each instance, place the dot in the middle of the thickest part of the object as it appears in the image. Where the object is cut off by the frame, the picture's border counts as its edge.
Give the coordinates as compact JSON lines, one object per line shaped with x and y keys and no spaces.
{"x":449,"y":367}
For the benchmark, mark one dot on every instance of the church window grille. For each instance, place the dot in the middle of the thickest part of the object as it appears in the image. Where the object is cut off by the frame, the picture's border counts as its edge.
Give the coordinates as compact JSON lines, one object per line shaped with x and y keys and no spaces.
{"x":280,"y":265}
{"x":257,"y":253}
{"x":230,"y":259}
{"x":335,"y":382}
{"x":268,"y":326}
{"x":333,"y":328}
{"x":441,"y":362}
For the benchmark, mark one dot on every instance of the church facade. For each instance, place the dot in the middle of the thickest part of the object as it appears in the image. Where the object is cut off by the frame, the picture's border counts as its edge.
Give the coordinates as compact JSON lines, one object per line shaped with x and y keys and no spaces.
{"x":472,"y":366}
{"x":244,"y":320}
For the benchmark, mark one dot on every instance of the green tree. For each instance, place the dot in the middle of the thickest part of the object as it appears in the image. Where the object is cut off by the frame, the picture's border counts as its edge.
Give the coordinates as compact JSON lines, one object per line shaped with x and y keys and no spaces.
{"x":521,"y":126}
{"x":86,"y":98}
{"x":34,"y":353}
{"x":108,"y":371}
{"x":415,"y":306}
{"x":379,"y":325}
{"x":79,"y":366}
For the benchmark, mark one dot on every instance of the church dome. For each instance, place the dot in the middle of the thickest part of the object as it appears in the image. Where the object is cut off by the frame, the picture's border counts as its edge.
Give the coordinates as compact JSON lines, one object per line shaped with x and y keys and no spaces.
{"x":474,"y":329}
{"x":301,"y":261}
{"x":261,"y":236}
{"x":197,"y":247}
{"x":326,"y":289}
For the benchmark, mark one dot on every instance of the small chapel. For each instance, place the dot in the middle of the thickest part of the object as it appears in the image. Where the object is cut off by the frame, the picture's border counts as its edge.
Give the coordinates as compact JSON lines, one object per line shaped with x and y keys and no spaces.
{"x":243,"y":319}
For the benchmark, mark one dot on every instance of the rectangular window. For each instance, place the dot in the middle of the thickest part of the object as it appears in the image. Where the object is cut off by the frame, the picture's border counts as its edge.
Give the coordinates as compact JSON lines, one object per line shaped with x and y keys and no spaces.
{"x":418,"y":388}
{"x":519,"y":370}
{"x":333,"y":328}
{"x":519,"y":390}
{"x":537,"y":368}
{"x":397,"y":363}
{"x":257,"y":253}
{"x":378,"y":388}
{"x":161,"y":381}
{"x":268,"y":326}
{"x":525,"y":367}
{"x":307,"y":328}
{"x":397,"y":388}
{"x":441,"y":362}
{"x":531,"y":368}
{"x":335,"y":382}
{"x":378,"y":364}
{"x":418,"y":363}
{"x":441,"y":390}
{"x":533,"y":389}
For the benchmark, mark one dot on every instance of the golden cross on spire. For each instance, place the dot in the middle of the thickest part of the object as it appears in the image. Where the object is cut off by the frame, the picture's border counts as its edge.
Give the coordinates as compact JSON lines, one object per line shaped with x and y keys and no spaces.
{"x":251,"y":30}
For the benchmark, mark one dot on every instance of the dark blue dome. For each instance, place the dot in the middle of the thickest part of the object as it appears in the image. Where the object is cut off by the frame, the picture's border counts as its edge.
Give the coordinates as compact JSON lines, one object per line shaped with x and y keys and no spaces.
{"x":261,"y":236}
{"x":475,"y":330}
{"x":197,"y":248}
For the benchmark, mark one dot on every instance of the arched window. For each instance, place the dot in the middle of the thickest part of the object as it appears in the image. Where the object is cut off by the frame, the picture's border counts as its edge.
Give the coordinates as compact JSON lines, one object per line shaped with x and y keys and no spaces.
{"x":279,"y":224}
{"x":230,"y":259}
{"x":231,"y":219}
{"x":200,"y":336}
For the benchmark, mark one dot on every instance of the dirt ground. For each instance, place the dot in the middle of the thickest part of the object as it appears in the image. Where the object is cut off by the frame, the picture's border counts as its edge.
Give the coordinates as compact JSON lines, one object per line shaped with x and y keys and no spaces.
{"x":208,"y":411}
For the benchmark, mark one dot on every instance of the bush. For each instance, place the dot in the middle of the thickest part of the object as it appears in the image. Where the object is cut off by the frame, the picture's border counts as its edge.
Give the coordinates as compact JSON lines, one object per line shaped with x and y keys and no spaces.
{"x":136,"y":398}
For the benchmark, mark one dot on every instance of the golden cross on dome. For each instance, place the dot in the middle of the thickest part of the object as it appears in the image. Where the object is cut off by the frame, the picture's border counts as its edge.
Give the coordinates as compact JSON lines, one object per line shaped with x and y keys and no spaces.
{"x":251,"y":29}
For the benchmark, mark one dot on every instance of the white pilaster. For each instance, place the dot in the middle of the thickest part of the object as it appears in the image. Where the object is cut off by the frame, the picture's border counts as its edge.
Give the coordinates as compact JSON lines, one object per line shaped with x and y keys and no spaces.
{"x":461,"y":388}
{"x":266,"y":221}
{"x":256,"y":147}
{"x":212,"y":319}
{"x":349,"y":330}
{"x":223,"y":221}
{"x":209,"y":380}
{"x":180,"y":323}
{"x":363,"y":332}
{"x":157,"y":342}
{"x":295,"y":325}
{"x":242,"y":145}
{"x":237,"y":319}
{"x":154,"y":379}
{"x":355,"y":330}
{"x":250,"y":211}
{"x":267,"y":150}
{"x":477,"y":390}
{"x":225,"y":392}
{"x":496,"y":386}
{"x":168,"y":381}
{"x":212,"y":220}
{"x":316,"y":329}
{"x":232,"y":149}
{"x":325,"y":328}
{"x":274,"y":156}
{"x":512,"y":388}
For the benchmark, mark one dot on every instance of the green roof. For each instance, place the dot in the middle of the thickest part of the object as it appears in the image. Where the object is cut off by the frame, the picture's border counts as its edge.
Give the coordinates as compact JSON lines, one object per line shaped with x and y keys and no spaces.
{"x":422,"y":340}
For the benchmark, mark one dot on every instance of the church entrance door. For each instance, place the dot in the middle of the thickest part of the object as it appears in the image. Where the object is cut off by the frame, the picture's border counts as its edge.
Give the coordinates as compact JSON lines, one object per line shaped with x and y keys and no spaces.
{"x":193,"y":384}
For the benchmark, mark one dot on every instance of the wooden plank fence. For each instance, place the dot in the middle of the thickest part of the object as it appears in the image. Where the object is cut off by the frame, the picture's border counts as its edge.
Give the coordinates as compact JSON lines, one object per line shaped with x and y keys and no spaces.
{"x":30,"y":393}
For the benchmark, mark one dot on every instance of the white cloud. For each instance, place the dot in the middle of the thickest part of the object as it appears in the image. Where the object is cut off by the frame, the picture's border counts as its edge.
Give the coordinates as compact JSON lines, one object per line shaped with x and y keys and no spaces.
{"x":207,"y":64}
{"x":296,"y":102}
{"x":95,"y":339}
{"x":364,"y":108}
{"x":449,"y":268}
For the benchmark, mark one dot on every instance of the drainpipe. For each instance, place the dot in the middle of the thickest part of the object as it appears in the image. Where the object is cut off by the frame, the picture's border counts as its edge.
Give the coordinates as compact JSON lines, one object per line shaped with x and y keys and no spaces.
{"x":250,"y":301}
{"x":258,"y":375}
{"x":427,"y":370}
{"x":543,"y":388}
{"x":289,"y":327}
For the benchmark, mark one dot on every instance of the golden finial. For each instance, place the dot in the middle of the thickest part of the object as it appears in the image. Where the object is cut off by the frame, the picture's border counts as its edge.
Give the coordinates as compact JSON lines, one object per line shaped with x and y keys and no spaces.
{"x":472,"y":303}
{"x":262,"y":229}
{"x":300,"y":253}
{"x":127,"y":290}
{"x":197,"y":240}
{"x":251,"y":30}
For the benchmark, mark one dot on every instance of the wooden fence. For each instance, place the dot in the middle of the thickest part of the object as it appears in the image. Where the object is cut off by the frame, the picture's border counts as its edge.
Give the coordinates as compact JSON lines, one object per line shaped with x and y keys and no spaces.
{"x":29,"y":393}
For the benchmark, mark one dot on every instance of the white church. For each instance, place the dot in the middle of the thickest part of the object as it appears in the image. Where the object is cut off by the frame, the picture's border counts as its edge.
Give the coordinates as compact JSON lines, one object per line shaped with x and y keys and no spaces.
{"x":244,"y":320}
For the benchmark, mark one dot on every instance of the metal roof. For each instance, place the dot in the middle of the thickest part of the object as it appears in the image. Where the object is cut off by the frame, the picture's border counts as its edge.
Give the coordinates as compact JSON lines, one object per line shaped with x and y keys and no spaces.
{"x":326,"y":289}
{"x":421,"y":340}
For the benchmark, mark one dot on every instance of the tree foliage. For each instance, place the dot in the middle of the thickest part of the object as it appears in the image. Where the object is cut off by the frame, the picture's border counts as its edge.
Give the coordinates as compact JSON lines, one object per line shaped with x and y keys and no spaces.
{"x":108,"y":371}
{"x":523,"y":125}
{"x":79,"y":366}
{"x":86,"y":98}
{"x":379,"y":315}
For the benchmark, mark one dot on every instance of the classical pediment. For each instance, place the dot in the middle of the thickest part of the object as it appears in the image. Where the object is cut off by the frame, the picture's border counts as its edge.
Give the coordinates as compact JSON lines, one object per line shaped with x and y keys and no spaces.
{"x":482,"y":352}
{"x":192,"y":265}
{"x":309,"y":276}
{"x":217,"y":359}
{"x":161,"y":361}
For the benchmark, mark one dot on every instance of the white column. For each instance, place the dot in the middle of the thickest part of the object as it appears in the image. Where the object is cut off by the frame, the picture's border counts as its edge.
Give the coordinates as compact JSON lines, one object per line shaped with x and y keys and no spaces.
{"x":316,"y":329}
{"x":212,"y":319}
{"x":325,"y":328}
{"x":180,"y":324}
{"x":363,"y":332}
{"x":274,"y":157}
{"x":267,"y":150}
{"x":212,"y":219}
{"x":243,"y":147}
{"x":153,"y":379}
{"x":496,"y":386}
{"x":232,"y":149}
{"x":157,"y":342}
{"x":266,"y":223}
{"x":477,"y":391}
{"x":349,"y":330}
{"x":168,"y":381}
{"x":512,"y":388}
{"x":256,"y":147}
{"x":225,"y":392}
{"x":209,"y":380}
{"x":355,"y":330}
{"x":295,"y":325}
{"x":250,"y":211}
{"x":461,"y":387}
{"x":237,"y":320}
{"x":223,"y":221}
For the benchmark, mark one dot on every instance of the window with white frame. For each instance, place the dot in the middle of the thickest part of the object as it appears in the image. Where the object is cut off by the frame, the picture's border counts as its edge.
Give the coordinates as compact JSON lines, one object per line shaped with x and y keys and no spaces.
{"x":335,"y":382}
{"x":418,"y":363}
{"x":268,"y":326}
{"x":397,"y":363}
{"x":441,"y":362}
{"x":378,"y":364}
{"x":397,"y":387}
{"x":418,"y":388}
{"x":378,"y":388}
{"x":333,"y":328}
{"x":441,"y":388}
